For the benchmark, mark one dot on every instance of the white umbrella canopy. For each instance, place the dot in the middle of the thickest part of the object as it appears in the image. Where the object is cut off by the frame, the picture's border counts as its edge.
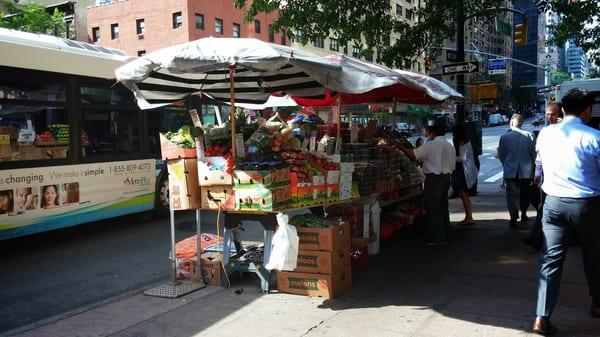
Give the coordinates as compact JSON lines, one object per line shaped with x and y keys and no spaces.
{"x":261,"y":68}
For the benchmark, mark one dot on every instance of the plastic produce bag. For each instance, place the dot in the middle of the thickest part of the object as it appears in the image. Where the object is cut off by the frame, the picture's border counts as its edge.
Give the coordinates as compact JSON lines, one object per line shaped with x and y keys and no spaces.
{"x":284,"y":254}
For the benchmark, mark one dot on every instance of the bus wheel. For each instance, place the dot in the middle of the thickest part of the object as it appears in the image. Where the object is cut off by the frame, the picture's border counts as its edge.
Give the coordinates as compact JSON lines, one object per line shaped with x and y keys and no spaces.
{"x":161,"y":203}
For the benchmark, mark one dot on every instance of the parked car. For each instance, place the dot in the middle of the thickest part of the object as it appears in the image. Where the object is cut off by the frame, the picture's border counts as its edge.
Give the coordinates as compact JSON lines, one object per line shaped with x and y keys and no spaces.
{"x":495,"y":119}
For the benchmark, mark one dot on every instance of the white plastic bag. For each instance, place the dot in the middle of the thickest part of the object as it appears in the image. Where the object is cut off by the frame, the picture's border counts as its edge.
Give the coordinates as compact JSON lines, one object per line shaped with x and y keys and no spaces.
{"x":284,"y":252}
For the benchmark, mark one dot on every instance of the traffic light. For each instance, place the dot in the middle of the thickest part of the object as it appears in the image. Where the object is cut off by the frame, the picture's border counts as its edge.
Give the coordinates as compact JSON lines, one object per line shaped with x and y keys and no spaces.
{"x":427,"y":63}
{"x":521,"y":34}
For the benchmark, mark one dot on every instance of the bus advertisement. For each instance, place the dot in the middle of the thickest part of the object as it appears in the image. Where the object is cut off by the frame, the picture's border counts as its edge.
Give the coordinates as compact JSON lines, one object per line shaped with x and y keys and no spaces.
{"x":40,"y":199}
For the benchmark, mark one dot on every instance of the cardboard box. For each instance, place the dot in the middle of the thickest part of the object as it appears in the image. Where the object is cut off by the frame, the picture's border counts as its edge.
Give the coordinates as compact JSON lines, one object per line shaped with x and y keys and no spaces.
{"x":4,"y":146}
{"x":213,"y":196}
{"x":327,"y":286}
{"x":347,"y":166}
{"x":272,"y":178}
{"x":329,"y":239}
{"x":171,"y":151}
{"x":211,"y":172}
{"x":320,"y":262}
{"x":256,"y":197}
{"x":211,"y":267}
{"x":184,"y":190}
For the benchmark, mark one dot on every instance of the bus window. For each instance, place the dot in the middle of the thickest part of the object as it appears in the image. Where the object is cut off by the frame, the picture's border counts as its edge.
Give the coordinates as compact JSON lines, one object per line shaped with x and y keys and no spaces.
{"x":111,"y":132}
{"x":33,"y":120}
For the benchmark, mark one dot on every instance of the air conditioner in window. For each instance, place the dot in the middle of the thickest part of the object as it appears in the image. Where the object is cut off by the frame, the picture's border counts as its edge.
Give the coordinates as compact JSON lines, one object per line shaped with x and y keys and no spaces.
{"x":140,"y":36}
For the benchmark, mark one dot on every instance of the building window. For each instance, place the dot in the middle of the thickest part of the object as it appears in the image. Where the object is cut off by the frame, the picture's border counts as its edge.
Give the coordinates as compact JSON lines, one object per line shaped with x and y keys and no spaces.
{"x":114,"y":31}
{"x":398,"y":10}
{"x":141,"y":52}
{"x":140,"y":26}
{"x":271,"y":35}
{"x":283,"y":42}
{"x":298,"y":35}
{"x":355,"y":52}
{"x":95,"y":34}
{"x":199,"y":21}
{"x":409,"y":14}
{"x":318,"y":42}
{"x":257,"y":26}
{"x":235,"y":32}
{"x":333,"y":45}
{"x":346,"y":50}
{"x":177,"y":20}
{"x":219,"y":26}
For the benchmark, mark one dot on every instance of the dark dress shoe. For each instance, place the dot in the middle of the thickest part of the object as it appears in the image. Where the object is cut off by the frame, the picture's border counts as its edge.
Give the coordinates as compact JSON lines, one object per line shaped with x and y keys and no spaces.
{"x":543,"y":326}
{"x":513,"y":223}
{"x":595,"y":312}
{"x":524,"y":217}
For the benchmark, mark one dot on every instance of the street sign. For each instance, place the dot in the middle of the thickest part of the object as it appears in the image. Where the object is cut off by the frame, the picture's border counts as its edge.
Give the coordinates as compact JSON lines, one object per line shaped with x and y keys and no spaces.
{"x":503,"y":27}
{"x":460,"y":68}
{"x":545,"y":89}
{"x":451,"y":56}
{"x":547,"y":59}
{"x":497,"y":66}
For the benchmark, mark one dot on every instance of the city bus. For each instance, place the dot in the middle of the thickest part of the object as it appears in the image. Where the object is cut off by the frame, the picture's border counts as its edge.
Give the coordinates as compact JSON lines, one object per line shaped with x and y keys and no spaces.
{"x":74,"y":146}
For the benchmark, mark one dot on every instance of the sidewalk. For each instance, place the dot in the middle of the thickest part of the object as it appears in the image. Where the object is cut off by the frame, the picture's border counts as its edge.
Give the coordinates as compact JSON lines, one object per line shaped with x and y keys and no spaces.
{"x":482,"y":284}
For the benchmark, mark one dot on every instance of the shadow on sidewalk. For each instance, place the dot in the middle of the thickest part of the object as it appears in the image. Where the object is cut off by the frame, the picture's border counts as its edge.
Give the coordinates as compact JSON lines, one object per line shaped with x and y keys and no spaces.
{"x":486,"y":276}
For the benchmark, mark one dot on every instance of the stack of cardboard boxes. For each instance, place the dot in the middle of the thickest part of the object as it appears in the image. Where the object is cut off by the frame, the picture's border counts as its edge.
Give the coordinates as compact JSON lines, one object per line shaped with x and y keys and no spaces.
{"x":324,"y":264}
{"x":184,"y":190}
{"x":262,"y":190}
{"x":216,"y":183}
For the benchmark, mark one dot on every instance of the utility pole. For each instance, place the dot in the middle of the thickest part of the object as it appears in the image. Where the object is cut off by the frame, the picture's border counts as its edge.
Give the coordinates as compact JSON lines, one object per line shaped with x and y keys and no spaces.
{"x":460,"y":57}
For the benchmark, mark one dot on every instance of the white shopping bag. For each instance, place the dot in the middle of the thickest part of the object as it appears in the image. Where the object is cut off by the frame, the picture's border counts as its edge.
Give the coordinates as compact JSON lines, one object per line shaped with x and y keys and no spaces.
{"x":284,"y":253}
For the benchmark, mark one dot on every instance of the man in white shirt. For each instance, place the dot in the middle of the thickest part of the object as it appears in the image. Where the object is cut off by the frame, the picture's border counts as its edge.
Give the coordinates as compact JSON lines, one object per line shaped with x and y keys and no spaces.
{"x":570,"y":156}
{"x":439,"y":160}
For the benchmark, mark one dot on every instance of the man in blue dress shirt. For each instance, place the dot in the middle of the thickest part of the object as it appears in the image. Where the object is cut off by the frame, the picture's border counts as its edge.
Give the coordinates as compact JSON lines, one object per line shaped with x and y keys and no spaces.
{"x":570,"y":156}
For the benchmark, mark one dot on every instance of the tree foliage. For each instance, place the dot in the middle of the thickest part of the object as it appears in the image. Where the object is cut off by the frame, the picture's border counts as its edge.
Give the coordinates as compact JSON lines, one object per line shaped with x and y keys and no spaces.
{"x":578,"y":21}
{"x":368,"y":24}
{"x":32,"y":18}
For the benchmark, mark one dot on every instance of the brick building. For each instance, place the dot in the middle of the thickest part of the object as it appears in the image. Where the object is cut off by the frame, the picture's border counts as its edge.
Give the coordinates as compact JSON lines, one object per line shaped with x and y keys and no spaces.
{"x":141,"y":26}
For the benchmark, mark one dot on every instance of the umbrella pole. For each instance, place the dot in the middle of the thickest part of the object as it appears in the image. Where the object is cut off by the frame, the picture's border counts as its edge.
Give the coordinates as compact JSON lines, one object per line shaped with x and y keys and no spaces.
{"x":232,"y":111}
{"x":394,"y":113}
{"x":338,"y":138}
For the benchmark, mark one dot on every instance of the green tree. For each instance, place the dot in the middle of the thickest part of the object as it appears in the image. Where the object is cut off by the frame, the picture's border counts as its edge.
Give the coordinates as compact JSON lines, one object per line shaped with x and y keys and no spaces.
{"x":578,"y":22}
{"x":32,"y":18}
{"x":560,"y":76}
{"x":368,"y":24}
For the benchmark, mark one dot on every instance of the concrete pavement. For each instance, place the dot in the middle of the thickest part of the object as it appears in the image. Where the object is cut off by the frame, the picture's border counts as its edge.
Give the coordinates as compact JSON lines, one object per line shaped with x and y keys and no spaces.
{"x":482,"y":284}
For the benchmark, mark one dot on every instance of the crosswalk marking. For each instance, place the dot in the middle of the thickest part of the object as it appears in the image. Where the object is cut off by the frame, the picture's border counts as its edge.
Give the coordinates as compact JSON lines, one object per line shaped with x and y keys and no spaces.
{"x":495,"y":177}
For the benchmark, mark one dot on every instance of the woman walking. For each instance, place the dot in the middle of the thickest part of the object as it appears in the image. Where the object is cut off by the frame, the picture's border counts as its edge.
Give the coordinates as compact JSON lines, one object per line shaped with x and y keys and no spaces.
{"x":466,"y":171}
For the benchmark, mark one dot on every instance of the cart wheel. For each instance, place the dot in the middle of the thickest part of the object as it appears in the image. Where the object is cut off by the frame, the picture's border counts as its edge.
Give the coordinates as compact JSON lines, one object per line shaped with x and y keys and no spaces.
{"x":161,"y":200}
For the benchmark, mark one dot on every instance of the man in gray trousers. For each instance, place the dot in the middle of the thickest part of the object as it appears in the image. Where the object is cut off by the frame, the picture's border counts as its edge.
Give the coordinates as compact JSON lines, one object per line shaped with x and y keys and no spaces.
{"x":516,"y":151}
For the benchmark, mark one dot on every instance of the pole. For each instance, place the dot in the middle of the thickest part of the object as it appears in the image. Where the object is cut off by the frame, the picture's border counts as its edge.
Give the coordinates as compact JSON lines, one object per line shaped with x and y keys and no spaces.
{"x":232,"y":107}
{"x":460,"y":57}
{"x":394,"y":113}
{"x":174,"y":257}
{"x":338,"y":137}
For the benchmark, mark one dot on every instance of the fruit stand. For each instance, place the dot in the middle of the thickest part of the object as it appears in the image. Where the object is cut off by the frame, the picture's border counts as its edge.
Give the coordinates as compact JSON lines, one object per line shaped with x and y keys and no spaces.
{"x":281,"y":163}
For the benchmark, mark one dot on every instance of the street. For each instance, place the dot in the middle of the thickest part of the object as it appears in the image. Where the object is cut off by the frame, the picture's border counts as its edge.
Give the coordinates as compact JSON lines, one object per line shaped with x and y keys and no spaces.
{"x":57,"y":273}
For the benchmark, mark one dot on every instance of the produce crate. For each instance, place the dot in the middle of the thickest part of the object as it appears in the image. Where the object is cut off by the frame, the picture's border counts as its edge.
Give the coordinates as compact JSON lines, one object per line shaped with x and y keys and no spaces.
{"x":212,"y":172}
{"x":213,"y":196}
{"x":323,"y":262}
{"x":171,"y":151}
{"x":184,"y":190}
{"x":321,"y":285}
{"x":329,"y":239}
{"x":272,"y":178}
{"x":259,"y":198}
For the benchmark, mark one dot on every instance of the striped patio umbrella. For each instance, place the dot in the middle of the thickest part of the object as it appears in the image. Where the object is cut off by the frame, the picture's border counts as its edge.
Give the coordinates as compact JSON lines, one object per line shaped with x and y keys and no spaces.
{"x":248,"y":68}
